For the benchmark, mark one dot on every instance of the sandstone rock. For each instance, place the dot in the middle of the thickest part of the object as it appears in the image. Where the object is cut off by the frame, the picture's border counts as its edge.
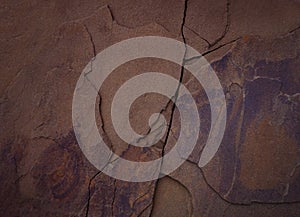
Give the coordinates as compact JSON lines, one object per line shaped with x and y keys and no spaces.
{"x":253,"y":48}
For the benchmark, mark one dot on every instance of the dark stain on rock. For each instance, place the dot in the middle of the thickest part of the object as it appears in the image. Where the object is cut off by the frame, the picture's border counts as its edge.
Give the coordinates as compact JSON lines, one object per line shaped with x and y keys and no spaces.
{"x":58,"y":168}
{"x":259,"y":94}
{"x":221,"y":65}
{"x":287,"y":71}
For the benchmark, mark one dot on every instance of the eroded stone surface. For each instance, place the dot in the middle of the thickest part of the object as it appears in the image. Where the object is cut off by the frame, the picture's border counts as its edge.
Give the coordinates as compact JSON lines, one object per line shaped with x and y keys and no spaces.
{"x":253,"y":48}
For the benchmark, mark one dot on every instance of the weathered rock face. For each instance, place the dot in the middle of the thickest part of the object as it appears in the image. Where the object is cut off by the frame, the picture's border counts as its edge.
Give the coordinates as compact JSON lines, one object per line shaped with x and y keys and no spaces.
{"x":262,"y":130}
{"x":254,"y":49}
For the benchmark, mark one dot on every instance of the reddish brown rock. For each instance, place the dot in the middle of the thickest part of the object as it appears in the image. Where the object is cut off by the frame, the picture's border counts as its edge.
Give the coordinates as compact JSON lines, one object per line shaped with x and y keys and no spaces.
{"x":254,"y":49}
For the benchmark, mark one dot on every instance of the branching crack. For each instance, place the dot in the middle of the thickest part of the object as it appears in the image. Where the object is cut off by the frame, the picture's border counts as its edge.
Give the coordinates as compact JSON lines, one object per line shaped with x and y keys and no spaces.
{"x":175,"y":95}
{"x":204,"y":39}
{"x":181,"y":73}
{"x":212,"y":50}
{"x":220,"y":38}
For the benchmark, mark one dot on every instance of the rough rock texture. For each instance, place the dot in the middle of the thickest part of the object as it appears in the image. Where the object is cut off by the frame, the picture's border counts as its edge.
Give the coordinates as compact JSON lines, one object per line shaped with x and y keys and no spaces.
{"x":254,"y":48}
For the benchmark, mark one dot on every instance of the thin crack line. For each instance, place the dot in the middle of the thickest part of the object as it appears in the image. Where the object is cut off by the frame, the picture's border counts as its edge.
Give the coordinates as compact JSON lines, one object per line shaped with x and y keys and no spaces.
{"x":114,"y":197}
{"x":90,"y":183}
{"x":139,"y":198}
{"x":188,"y":191}
{"x":89,"y":193}
{"x":142,"y":212}
{"x":294,"y":30}
{"x":245,"y":204}
{"x":226,"y":27}
{"x":91,"y":39}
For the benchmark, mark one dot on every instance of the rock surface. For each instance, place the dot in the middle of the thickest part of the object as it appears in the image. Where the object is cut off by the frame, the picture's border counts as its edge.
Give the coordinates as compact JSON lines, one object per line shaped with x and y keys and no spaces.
{"x":253,"y":47}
